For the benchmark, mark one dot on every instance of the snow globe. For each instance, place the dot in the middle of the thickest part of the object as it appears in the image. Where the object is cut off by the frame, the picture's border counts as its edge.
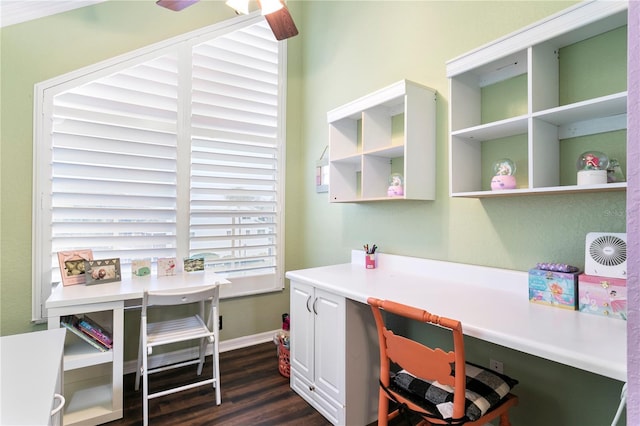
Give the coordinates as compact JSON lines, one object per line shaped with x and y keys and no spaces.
{"x":504,"y":175}
{"x":396,"y":188}
{"x":592,"y":168}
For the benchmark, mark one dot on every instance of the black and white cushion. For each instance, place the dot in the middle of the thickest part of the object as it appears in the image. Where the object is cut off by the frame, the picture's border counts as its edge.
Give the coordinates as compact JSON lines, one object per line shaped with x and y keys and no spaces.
{"x":485,"y":390}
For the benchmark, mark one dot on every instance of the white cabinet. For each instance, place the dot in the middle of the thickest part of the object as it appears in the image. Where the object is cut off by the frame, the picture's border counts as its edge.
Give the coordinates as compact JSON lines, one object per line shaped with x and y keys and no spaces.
{"x":31,"y":371}
{"x":392,"y":130}
{"x":334,"y":355}
{"x":92,"y":379}
{"x":541,"y":96}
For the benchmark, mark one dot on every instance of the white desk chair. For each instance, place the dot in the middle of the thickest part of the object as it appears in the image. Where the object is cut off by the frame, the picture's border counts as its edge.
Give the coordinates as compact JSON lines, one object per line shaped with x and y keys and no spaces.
{"x":190,"y":327}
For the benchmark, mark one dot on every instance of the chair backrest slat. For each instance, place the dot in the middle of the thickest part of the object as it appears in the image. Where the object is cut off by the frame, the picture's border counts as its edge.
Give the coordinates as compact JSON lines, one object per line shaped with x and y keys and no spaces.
{"x":177,"y":297}
{"x":182,"y":297}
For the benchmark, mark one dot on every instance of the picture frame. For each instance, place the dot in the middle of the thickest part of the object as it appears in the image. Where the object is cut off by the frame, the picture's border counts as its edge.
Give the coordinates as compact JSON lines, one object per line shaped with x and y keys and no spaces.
{"x":166,"y":266}
{"x":140,"y":267}
{"x":102,"y":271}
{"x":72,"y":265}
{"x":194,"y":263}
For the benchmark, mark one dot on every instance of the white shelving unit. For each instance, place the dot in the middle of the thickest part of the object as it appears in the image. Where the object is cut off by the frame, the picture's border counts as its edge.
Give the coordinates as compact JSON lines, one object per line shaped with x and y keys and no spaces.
{"x":533,"y":114}
{"x":92,"y":379}
{"x":389,"y":131}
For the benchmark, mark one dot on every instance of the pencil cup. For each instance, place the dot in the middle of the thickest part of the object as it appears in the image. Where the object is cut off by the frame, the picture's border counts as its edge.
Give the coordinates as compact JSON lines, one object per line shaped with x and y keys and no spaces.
{"x":370,"y":261}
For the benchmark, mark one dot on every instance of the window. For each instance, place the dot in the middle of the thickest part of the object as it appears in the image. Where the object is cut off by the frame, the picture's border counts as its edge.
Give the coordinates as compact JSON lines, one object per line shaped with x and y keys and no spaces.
{"x":173,"y":151}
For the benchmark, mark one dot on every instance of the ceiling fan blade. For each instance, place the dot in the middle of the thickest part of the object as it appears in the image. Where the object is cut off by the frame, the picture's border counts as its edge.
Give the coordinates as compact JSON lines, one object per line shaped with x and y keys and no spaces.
{"x":281,"y":23}
{"x":176,"y":5}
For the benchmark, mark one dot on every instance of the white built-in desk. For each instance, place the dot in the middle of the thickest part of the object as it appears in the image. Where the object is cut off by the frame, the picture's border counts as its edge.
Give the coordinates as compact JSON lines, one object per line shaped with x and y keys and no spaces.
{"x":31,"y":376}
{"x":93,"y":379}
{"x":492,"y":304}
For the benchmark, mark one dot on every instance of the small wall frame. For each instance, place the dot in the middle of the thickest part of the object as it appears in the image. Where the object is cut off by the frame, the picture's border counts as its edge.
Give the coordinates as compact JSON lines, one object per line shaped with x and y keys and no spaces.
{"x":322,"y":173}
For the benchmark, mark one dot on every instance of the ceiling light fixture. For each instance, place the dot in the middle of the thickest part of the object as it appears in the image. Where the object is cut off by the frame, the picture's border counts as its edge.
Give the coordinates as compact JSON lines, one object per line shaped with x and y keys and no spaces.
{"x":270,"y":6}
{"x":277,"y":16}
{"x":240,"y":6}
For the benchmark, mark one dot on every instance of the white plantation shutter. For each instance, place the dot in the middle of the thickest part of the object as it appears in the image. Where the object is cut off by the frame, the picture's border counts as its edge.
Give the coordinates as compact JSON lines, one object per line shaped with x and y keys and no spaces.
{"x":114,"y":159}
{"x":234,"y":158}
{"x":172,"y":153}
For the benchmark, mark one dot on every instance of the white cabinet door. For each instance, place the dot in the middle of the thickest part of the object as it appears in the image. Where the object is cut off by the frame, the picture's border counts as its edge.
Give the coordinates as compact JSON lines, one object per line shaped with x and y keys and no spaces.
{"x":302,"y":322}
{"x":318,"y":349}
{"x":329,"y":345}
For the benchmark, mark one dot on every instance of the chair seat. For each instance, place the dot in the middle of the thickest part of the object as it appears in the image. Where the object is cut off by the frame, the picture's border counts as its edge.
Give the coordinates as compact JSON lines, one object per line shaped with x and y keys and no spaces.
{"x":485,"y":389}
{"x":164,"y":332}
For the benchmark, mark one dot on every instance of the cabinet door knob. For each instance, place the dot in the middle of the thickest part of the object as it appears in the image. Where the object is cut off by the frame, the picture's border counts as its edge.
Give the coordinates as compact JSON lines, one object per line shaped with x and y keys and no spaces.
{"x":312,"y":388}
{"x":315,"y":302}
{"x":308,"y":299}
{"x":60,"y":406}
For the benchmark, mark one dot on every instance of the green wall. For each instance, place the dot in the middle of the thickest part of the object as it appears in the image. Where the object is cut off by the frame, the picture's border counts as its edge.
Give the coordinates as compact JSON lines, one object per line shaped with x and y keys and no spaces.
{"x":345,"y":49}
{"x":351,"y":48}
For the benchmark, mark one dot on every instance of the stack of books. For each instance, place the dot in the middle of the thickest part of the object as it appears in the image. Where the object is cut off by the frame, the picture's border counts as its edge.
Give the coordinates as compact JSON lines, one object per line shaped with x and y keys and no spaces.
{"x":89,"y":331}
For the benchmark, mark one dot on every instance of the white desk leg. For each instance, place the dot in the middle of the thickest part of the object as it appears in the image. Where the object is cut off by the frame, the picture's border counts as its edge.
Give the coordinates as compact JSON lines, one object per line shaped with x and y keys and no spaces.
{"x":623,"y":402}
{"x":118,"y":355}
{"x":216,"y":343}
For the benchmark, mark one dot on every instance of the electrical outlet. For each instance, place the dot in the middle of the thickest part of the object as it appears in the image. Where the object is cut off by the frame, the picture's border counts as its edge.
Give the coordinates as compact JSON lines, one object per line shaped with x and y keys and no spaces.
{"x":220,"y":322}
{"x":496,"y":366}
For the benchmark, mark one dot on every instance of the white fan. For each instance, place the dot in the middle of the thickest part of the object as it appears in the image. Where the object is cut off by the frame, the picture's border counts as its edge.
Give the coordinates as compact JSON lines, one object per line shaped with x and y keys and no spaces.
{"x":606,"y":255}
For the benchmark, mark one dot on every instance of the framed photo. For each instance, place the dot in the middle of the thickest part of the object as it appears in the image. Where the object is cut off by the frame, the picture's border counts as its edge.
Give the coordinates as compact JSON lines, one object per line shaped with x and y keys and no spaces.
{"x":72,"y":267}
{"x":102,"y":271}
{"x":194,"y":263}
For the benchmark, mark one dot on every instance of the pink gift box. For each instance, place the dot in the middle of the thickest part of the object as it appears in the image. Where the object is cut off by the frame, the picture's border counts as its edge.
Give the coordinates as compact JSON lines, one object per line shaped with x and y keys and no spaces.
{"x":603,"y":296}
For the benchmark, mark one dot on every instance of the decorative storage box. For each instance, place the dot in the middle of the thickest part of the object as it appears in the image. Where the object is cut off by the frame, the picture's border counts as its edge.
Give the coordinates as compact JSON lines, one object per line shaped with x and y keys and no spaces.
{"x":603,"y":296}
{"x":553,"y":288}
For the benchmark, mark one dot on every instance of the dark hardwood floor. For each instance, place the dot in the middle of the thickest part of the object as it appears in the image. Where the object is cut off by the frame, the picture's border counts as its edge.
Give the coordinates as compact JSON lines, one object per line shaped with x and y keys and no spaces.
{"x":253,"y":393}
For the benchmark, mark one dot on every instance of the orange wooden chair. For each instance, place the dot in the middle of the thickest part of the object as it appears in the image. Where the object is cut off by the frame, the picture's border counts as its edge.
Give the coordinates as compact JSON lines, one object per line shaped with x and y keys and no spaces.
{"x":436,"y":386}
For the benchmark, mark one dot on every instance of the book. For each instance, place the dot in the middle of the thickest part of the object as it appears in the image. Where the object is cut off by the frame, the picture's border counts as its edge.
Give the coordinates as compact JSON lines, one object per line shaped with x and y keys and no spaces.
{"x":98,"y":337}
{"x":94,"y":330}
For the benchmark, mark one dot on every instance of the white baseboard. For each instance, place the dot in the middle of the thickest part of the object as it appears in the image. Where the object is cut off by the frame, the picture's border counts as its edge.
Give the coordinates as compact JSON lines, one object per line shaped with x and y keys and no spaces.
{"x":185,"y":354}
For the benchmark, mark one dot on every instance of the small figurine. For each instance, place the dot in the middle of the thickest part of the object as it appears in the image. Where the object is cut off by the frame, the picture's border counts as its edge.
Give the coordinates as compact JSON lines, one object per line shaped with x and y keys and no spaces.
{"x":396,"y":189}
{"x":504,"y":178}
{"x":592,"y":168}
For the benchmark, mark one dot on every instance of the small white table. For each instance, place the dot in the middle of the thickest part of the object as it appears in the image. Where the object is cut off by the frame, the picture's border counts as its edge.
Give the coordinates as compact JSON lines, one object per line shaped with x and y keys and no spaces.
{"x":31,"y":376}
{"x":94,"y":388}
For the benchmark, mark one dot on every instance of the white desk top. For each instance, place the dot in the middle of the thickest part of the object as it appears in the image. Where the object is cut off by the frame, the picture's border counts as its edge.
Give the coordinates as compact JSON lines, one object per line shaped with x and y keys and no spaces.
{"x":492,"y":304}
{"x":127,"y":289}
{"x":30,"y":365}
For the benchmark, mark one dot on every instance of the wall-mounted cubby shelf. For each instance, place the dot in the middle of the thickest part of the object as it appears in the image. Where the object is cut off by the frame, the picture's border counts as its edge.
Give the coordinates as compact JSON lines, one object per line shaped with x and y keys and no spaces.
{"x":389,"y":131}
{"x":541,"y":96}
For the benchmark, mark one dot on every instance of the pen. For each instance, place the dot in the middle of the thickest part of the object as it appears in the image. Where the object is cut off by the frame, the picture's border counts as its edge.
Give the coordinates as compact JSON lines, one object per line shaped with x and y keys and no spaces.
{"x":372,"y":251}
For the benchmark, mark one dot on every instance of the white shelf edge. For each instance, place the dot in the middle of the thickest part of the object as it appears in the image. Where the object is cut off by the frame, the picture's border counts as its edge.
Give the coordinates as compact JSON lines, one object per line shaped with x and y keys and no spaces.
{"x":387,"y":151}
{"x":495,"y":129}
{"x":368,"y":200}
{"x":348,"y":159}
{"x":621,"y":186}
{"x":89,"y":400}
{"x":390,"y":95}
{"x":555,"y":25}
{"x":603,"y":106}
